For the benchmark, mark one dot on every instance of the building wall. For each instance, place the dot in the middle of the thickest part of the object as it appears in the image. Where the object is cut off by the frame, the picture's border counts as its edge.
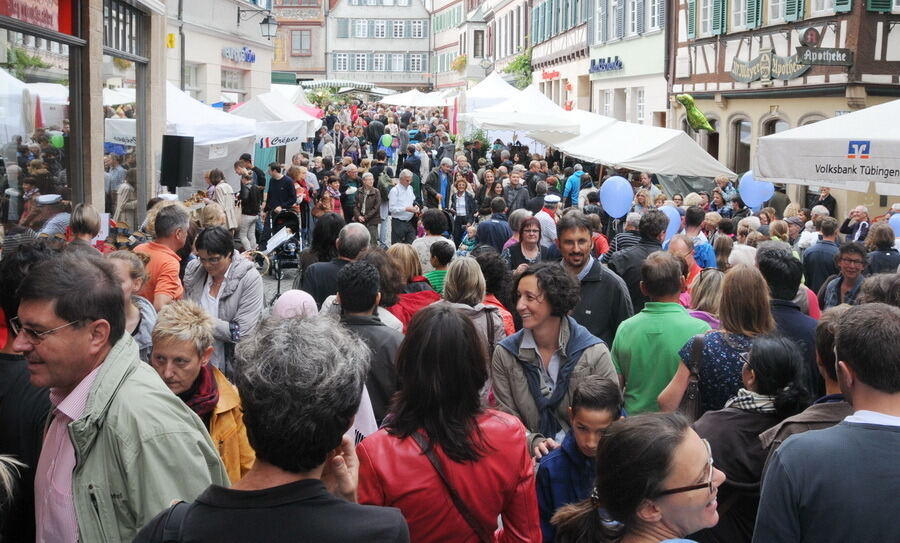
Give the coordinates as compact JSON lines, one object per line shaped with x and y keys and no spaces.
{"x":306,"y":17}
{"x":447,"y":26}
{"x":406,"y":59}
{"x":509,"y":25}
{"x":210,"y":29}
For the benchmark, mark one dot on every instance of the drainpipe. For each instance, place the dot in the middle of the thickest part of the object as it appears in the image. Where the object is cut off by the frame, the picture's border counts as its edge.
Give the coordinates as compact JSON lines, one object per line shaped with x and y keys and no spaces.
{"x":181,"y":40}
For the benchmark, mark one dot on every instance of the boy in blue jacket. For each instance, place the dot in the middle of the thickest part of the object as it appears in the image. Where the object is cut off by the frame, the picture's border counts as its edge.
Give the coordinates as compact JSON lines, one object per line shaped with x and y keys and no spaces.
{"x":567,"y":474}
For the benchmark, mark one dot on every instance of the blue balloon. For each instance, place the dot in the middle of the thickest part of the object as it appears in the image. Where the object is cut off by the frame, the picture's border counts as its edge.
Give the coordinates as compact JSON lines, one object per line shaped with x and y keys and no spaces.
{"x":894,"y":221}
{"x":674,"y":221}
{"x":754,"y":192}
{"x":616,"y":196}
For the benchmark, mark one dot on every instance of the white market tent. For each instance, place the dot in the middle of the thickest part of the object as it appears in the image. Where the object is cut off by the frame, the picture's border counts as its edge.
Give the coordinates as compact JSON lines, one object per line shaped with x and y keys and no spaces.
{"x":50,"y":93}
{"x":278,"y":117}
{"x":489,"y":91}
{"x":115,"y":97}
{"x":13,"y":119}
{"x":528,"y":111}
{"x":293,"y":93}
{"x":848,"y":151}
{"x":635,"y":146}
{"x":186,"y":116}
{"x":415,"y":98}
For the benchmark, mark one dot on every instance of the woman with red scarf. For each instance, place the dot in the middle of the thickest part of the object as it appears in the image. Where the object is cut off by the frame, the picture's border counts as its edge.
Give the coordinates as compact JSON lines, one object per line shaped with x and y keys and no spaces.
{"x":182,"y":347}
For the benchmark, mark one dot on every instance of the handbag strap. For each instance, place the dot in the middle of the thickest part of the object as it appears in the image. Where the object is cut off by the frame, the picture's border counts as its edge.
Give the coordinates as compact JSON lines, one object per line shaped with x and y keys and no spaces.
{"x":697,"y":356}
{"x":483,"y":534}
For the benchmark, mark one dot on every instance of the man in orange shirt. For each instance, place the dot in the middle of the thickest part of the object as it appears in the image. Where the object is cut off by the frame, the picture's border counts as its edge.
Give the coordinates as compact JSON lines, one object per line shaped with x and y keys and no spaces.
{"x":164,"y":284}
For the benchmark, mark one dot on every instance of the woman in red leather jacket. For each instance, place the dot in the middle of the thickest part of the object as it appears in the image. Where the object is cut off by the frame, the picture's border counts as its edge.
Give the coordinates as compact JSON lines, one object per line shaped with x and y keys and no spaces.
{"x":482,"y":453}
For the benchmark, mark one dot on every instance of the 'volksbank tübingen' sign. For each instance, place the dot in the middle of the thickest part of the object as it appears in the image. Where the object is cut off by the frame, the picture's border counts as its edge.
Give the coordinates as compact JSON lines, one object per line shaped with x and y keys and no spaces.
{"x":767,"y":66}
{"x":858,"y":150}
{"x":608,"y":64}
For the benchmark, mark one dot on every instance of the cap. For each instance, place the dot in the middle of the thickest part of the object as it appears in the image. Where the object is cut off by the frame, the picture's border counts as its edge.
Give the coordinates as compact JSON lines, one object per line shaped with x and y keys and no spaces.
{"x":49,"y":199}
{"x":795,"y":220}
{"x":551,"y":199}
{"x":12,"y":241}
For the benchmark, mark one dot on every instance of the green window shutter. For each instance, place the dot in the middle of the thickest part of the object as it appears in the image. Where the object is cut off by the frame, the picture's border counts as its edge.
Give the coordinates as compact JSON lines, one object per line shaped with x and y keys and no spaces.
{"x":719,"y":15}
{"x":753,"y":13}
{"x":878,"y":6}
{"x":692,"y":19}
{"x":424,"y":29}
{"x":843,"y":6}
{"x":621,"y":6}
{"x":641,"y":16}
{"x":343,"y":28}
{"x":406,"y":62}
{"x":371,"y":32}
{"x":407,"y":31}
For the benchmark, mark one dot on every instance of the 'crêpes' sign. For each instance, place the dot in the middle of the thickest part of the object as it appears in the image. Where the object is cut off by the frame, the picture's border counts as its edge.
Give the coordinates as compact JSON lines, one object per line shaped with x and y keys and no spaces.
{"x":767,"y":66}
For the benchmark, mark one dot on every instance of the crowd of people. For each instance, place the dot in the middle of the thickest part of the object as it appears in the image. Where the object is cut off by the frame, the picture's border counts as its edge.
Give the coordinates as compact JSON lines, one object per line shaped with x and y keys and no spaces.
{"x":473,"y":350}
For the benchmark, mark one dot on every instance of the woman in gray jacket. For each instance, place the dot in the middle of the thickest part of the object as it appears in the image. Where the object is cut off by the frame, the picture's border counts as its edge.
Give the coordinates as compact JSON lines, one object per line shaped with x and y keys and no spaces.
{"x":228,"y":287}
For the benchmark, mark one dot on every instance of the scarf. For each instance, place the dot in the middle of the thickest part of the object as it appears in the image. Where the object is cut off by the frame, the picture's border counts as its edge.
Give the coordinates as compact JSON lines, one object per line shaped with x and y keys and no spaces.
{"x":333,"y":193}
{"x":203,"y":395}
{"x":747,"y":400}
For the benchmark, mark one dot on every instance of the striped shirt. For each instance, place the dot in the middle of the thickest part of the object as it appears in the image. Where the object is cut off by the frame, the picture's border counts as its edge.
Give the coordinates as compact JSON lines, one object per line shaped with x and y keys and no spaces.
{"x":620,"y":242}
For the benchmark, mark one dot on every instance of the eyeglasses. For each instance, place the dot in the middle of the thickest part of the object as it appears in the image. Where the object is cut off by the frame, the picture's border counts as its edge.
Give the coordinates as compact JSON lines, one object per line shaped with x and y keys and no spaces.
{"x":708,"y":484}
{"x":852,"y":262}
{"x":531,"y":231}
{"x":211,"y":260}
{"x":33,"y":336}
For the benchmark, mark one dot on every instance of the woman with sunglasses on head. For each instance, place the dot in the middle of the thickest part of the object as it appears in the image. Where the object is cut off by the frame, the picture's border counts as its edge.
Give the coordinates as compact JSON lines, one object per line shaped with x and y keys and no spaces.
{"x":773,"y":390}
{"x":656,"y":483}
{"x":228,"y":287}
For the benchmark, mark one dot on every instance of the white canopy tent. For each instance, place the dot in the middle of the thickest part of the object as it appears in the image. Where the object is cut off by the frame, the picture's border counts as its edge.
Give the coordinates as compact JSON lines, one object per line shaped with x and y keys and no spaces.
{"x":115,"y":97}
{"x":848,"y":152}
{"x":635,"y":147}
{"x":489,"y":91}
{"x":293,"y":93}
{"x":528,"y":111}
{"x":415,"y":98}
{"x":13,"y":118}
{"x":279,"y":117}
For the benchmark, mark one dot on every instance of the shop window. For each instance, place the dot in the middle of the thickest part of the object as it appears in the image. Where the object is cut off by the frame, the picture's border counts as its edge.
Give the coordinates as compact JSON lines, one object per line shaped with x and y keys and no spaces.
{"x":301,"y":43}
{"x":741,"y":136}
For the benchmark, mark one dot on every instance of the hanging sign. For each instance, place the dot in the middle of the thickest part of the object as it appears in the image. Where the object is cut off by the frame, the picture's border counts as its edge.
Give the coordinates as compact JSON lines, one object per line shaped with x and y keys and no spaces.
{"x":53,"y":15}
{"x":549,"y":75}
{"x":825,"y":56}
{"x":767,"y":66}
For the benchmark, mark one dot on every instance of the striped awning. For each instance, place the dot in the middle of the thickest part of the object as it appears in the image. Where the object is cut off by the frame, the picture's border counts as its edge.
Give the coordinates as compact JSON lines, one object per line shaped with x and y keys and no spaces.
{"x":322,"y":83}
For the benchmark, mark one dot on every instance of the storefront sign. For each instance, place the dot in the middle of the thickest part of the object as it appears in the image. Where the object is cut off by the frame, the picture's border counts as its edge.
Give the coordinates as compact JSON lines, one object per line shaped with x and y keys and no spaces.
{"x":549,"y":75}
{"x":244,"y":54}
{"x":276,"y":141}
{"x":53,"y":15}
{"x":825,"y":56}
{"x":608,"y":64}
{"x":767,"y":66}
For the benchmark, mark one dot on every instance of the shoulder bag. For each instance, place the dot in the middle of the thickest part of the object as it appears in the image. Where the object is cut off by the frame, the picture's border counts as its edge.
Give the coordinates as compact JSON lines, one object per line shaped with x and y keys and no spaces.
{"x":690,"y":402}
{"x":483,"y":534}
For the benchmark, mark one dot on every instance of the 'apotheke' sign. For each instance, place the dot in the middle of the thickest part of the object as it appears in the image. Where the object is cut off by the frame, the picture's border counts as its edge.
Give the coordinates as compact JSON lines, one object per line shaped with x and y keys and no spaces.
{"x":244,"y":54}
{"x":825,"y":56}
{"x":767,"y":66}
{"x":608,"y":64}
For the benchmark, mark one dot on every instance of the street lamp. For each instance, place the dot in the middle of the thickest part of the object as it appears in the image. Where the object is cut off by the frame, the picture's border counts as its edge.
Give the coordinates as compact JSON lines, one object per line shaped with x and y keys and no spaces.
{"x":268,"y":26}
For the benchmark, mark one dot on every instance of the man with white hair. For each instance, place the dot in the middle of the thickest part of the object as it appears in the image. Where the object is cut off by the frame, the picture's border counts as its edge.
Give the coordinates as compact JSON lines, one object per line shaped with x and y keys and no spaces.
{"x":810,"y":234}
{"x":437,"y":186}
{"x":320,"y":279}
{"x":626,"y":239}
{"x":532,"y":176}
{"x":856,"y":225}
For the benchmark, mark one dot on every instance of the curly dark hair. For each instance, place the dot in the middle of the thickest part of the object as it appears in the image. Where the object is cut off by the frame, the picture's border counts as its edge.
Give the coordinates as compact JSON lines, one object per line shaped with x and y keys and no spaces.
{"x":496,"y":274}
{"x":434,"y":221}
{"x":560,"y":289}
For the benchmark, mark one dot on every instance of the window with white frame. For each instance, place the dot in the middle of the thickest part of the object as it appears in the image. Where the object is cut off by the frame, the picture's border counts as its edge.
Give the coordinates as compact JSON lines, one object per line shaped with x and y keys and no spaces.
{"x":402,"y":2}
{"x":417,"y":29}
{"x":397,"y":29}
{"x":896,"y":6}
{"x":705,"y":17}
{"x":823,"y":6}
{"x":776,"y":11}
{"x":360,"y":63}
{"x":655,"y":15}
{"x":232,"y":79}
{"x":380,"y":29}
{"x":397,"y":62}
{"x":608,"y":102}
{"x":378,"y":60}
{"x":361,"y":28}
{"x":415,"y":62}
{"x":387,"y":2}
{"x":739,"y":13}
{"x":599,"y":16}
{"x":371,"y":2}
{"x":632,"y":17}
{"x":341,"y":63}
{"x":639,"y":105}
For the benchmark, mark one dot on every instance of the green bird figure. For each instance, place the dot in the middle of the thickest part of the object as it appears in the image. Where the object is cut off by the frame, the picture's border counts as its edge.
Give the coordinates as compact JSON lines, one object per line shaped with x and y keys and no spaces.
{"x":695,"y":117}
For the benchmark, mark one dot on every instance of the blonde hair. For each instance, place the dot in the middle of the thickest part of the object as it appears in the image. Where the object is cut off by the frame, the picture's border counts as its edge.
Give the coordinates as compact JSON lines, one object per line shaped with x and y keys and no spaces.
{"x":706,"y":291}
{"x":464,"y":282}
{"x":692,"y":199}
{"x":184,"y":320}
{"x":792,"y":210}
{"x":659,"y":198}
{"x":211,"y":215}
{"x":9,"y":469}
{"x":646,"y":194}
{"x":153,"y":212}
{"x":778,"y":230}
{"x":713,"y":219}
{"x":137,"y":263}
{"x":744,"y":307}
{"x":85,"y":220}
{"x":406,"y":260}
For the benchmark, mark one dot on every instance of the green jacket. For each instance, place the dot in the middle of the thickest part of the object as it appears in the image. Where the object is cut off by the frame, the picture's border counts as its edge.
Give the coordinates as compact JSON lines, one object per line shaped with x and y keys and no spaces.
{"x":137,"y":448}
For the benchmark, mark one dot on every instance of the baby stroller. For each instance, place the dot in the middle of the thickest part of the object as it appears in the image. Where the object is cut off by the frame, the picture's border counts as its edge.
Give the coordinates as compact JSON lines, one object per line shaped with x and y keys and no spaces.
{"x":282,"y":250}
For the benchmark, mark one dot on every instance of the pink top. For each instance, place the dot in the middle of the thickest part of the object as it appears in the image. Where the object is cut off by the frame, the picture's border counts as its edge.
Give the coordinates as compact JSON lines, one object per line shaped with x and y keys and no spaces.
{"x":54,"y":506}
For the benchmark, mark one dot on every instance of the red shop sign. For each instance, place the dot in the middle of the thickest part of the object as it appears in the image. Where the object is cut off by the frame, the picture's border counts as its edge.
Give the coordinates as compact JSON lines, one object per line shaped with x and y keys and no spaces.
{"x":550,"y":75}
{"x":53,"y":15}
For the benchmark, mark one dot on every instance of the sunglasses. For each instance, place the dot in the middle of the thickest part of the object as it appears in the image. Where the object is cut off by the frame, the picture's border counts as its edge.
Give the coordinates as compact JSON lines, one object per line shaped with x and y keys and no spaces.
{"x":708,"y":484}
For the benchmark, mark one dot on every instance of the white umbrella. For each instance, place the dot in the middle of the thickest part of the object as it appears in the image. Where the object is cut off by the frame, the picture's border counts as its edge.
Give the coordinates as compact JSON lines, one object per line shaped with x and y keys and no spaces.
{"x":848,"y":151}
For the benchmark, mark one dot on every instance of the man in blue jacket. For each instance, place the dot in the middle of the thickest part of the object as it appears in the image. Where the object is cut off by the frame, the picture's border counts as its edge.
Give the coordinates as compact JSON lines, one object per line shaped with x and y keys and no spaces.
{"x":573,"y":185}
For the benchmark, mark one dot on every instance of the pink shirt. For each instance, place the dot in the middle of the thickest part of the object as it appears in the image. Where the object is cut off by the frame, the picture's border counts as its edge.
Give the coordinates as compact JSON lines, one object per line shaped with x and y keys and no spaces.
{"x":54,"y":506}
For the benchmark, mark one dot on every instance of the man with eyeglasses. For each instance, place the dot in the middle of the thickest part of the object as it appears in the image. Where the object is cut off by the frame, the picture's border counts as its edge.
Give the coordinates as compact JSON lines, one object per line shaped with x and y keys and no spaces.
{"x":843,"y":288}
{"x":840,"y":483}
{"x":119,"y":446}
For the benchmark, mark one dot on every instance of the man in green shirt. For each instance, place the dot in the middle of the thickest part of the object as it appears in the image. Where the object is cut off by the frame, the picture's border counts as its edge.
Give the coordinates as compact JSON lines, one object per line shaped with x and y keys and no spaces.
{"x":645,"y":350}
{"x":441,"y":255}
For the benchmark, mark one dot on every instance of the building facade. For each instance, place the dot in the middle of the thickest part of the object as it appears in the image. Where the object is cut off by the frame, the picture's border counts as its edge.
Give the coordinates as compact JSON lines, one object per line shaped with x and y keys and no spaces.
{"x":559,"y":55}
{"x":299,"y":47}
{"x":508,"y":23}
{"x":741,"y":63}
{"x":460,"y":43}
{"x":627,"y":60}
{"x":384,"y":42}
{"x":219,"y":55}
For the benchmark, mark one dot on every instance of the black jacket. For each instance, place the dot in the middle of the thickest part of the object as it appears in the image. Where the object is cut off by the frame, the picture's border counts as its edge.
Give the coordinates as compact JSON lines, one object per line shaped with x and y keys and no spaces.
{"x":883,"y":261}
{"x":382,"y":381}
{"x":800,"y":328}
{"x":281,"y":193}
{"x":320,"y":279}
{"x":471,"y":207}
{"x":516,"y":198}
{"x":627,"y":264}
{"x":604,"y":303}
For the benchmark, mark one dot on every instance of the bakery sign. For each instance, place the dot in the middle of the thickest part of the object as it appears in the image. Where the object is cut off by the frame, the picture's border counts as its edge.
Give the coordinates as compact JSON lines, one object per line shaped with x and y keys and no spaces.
{"x":766,"y":67}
